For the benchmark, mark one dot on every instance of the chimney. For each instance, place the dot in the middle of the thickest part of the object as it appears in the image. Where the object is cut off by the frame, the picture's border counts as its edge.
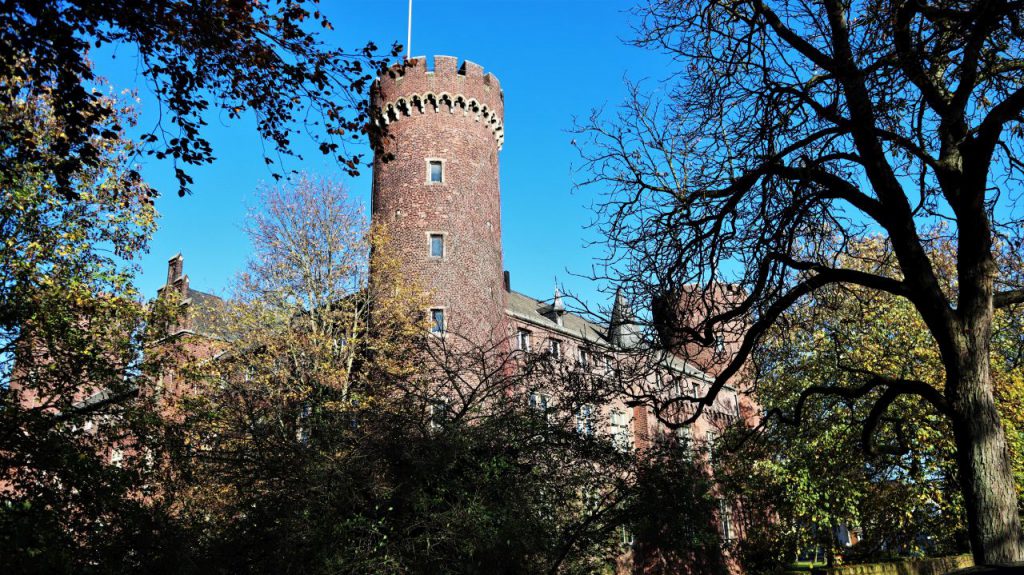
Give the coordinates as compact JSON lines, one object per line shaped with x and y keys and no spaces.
{"x":174,"y":266}
{"x":508,"y":282}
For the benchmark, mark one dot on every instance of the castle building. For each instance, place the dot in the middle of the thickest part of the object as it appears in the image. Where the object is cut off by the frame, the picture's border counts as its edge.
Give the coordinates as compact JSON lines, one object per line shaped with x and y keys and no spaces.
{"x":436,"y":193}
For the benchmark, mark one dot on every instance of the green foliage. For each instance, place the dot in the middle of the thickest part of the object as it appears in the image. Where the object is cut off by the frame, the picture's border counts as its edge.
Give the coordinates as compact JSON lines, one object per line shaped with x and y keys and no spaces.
{"x":508,"y":493}
{"x":267,"y":58}
{"x":902,"y":493}
{"x":74,"y":456}
{"x":672,"y":510}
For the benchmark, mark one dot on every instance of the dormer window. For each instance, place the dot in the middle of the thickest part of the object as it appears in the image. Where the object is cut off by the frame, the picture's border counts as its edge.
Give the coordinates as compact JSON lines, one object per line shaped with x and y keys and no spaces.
{"x":435,"y":171}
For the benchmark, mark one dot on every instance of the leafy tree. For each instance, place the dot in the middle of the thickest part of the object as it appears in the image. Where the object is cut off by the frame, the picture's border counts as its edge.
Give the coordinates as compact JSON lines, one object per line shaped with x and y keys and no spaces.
{"x":904,"y":495}
{"x":267,"y":58}
{"x":794,"y":128}
{"x":74,"y":457}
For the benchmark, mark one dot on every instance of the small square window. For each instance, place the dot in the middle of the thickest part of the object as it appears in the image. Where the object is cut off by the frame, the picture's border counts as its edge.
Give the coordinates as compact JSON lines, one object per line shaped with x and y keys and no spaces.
{"x":436,"y":245}
{"x":436,"y":169}
{"x":437,"y":321}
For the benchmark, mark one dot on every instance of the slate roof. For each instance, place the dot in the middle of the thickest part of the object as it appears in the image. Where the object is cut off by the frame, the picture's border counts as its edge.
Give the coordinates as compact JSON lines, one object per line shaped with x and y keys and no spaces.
{"x":204,"y":314}
{"x":538,"y":312}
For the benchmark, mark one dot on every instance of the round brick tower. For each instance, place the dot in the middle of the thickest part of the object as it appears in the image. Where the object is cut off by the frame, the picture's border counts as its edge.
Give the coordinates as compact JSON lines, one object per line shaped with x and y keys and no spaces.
{"x":437,"y":195}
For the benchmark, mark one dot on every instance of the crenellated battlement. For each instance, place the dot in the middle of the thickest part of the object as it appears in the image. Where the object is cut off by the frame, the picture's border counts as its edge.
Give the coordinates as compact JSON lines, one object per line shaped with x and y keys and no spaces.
{"x":448,"y":88}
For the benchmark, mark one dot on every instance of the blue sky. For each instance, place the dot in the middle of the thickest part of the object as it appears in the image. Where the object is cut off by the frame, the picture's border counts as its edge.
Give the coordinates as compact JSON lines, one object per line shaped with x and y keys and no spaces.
{"x":556,"y":60}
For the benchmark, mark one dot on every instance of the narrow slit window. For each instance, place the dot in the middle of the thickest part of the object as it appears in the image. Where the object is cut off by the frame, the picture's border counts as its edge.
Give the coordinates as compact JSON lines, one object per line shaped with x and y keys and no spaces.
{"x":436,"y":169}
{"x":436,"y":245}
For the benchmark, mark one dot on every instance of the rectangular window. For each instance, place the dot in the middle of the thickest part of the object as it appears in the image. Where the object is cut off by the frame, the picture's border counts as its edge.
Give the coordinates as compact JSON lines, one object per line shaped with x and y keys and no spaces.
{"x":437,"y":321}
{"x":619,"y":428}
{"x":627,"y":536}
{"x":725,"y":520}
{"x":555,"y":348}
{"x":583,"y":358}
{"x":439,"y":412}
{"x":540,"y":402}
{"x":436,"y":245}
{"x":436,"y":169}
{"x":522,"y":340}
{"x":719,"y":344}
{"x":302,"y":425}
{"x":585,"y":420}
{"x":684,"y":435}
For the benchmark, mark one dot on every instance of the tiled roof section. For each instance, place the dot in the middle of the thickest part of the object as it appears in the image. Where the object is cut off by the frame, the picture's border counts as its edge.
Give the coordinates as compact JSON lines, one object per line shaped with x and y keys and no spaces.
{"x":105,"y":396}
{"x":531,"y":310}
{"x":204,"y":312}
{"x":534,"y":311}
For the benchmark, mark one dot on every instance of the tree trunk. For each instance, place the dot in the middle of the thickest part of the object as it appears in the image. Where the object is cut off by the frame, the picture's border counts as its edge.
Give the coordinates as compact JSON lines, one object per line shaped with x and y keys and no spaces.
{"x":986,"y":477}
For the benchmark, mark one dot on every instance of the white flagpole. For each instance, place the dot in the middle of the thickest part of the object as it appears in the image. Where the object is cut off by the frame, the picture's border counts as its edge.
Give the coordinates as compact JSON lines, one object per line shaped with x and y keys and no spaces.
{"x":408,"y":43}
